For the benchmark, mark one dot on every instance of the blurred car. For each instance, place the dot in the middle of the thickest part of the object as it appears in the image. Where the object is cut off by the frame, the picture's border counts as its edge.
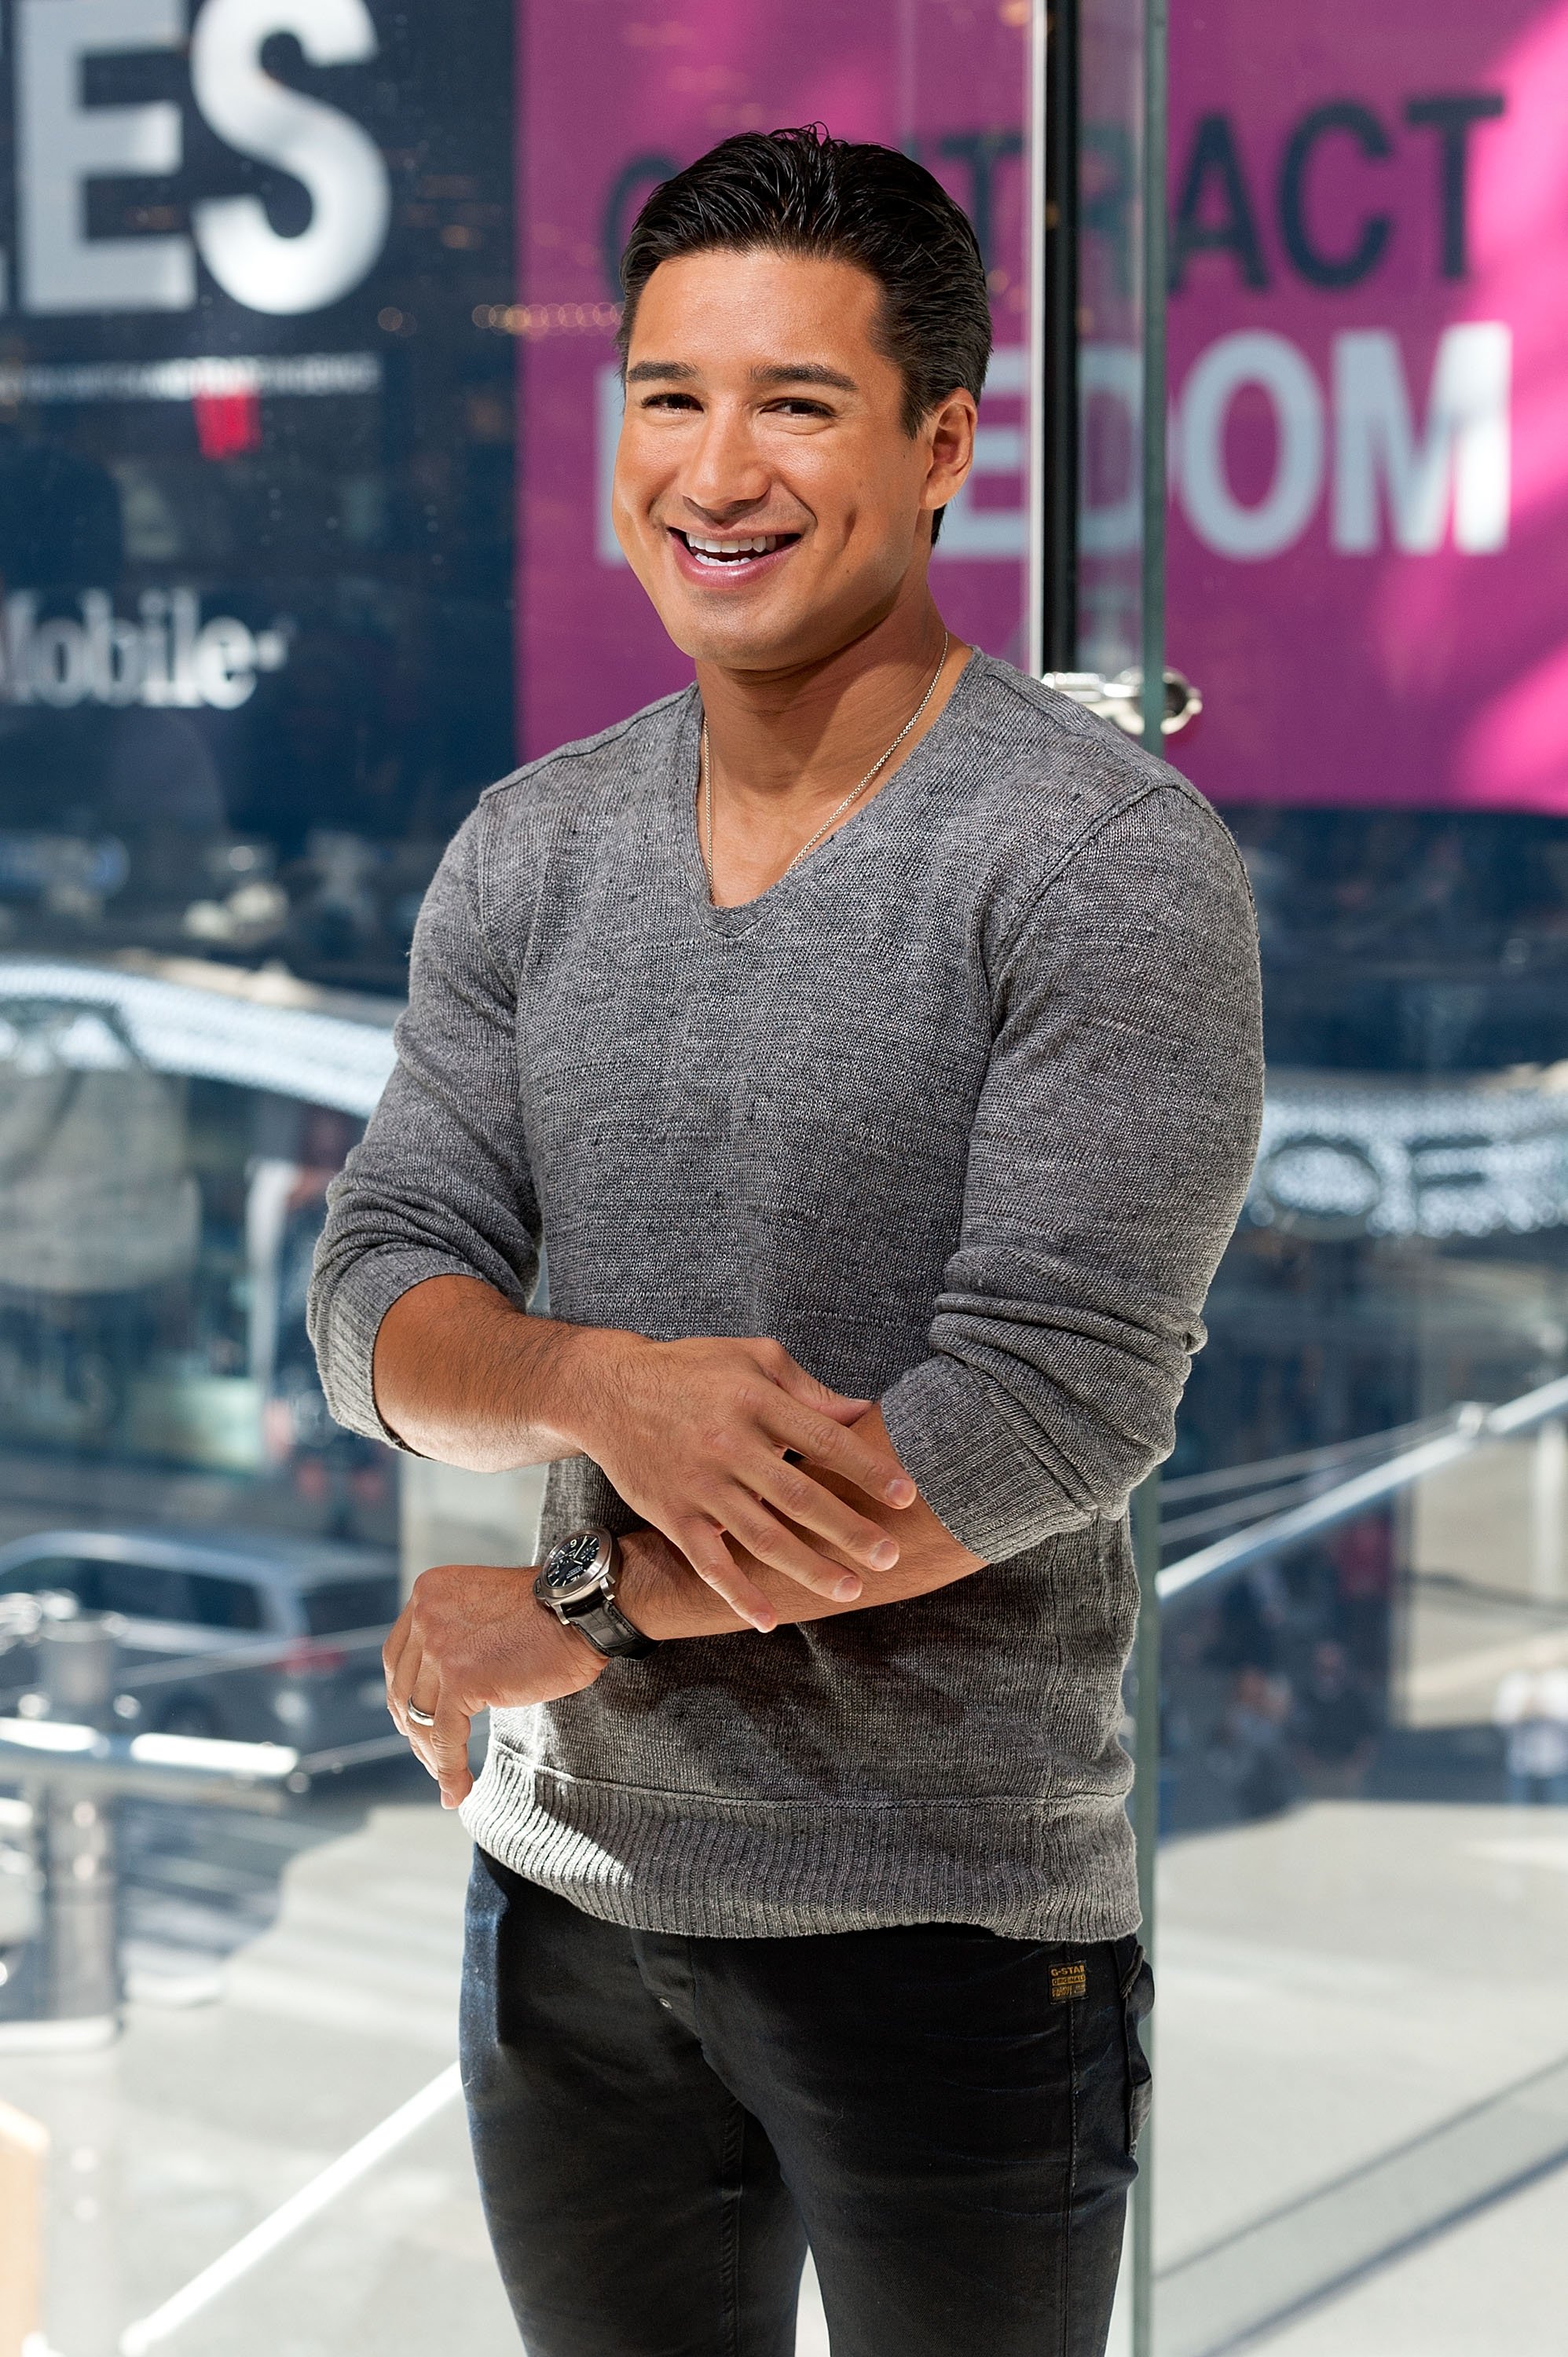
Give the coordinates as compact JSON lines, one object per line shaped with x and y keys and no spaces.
{"x":256,"y":1638}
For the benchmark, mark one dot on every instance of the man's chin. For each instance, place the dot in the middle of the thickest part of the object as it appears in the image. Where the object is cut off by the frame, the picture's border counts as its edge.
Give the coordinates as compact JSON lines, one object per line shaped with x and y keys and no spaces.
{"x":744,"y":642}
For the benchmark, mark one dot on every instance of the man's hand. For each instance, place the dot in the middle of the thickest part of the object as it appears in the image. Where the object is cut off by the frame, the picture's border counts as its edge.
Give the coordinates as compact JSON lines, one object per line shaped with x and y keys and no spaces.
{"x":472,"y":1638}
{"x":698,"y":1437}
{"x":659,"y":1596}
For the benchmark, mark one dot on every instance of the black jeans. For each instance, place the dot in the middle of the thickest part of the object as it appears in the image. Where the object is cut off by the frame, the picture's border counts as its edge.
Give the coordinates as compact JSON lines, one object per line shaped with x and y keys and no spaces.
{"x":661,"y":2125}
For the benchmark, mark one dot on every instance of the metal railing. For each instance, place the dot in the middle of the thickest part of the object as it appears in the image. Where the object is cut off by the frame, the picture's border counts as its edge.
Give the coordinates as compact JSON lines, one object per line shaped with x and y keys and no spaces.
{"x":74,"y":1759}
{"x":1245,"y":1493}
{"x":73,"y":1765}
{"x":252,"y":1653}
{"x":1468,"y":1428}
{"x":1304,"y":1495}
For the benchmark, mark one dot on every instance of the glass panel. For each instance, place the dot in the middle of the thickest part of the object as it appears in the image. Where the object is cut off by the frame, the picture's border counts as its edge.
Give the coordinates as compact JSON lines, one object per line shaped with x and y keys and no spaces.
{"x":1368,"y":1813}
{"x":1361,"y":1804}
{"x":65,"y":1575}
{"x":305,"y":400}
{"x":144,"y":1592}
{"x":257,"y":553}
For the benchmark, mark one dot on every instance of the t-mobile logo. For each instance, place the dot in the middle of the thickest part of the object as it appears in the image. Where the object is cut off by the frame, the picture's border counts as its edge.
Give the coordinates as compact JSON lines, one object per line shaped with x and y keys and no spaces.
{"x":165,"y":656}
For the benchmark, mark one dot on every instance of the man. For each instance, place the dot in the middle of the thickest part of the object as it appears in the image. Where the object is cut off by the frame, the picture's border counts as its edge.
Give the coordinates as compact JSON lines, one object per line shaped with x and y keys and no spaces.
{"x":873,"y":1040}
{"x":1336,"y":1725}
{"x":1532,"y":1709}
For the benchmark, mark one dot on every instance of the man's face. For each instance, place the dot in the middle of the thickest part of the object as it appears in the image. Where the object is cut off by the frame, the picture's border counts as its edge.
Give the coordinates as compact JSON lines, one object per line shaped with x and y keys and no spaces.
{"x":759,"y":410}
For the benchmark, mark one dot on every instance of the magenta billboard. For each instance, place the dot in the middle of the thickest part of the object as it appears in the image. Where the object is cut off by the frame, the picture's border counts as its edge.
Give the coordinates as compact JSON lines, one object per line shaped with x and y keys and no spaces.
{"x":1369,"y":325}
{"x":1369,"y":433}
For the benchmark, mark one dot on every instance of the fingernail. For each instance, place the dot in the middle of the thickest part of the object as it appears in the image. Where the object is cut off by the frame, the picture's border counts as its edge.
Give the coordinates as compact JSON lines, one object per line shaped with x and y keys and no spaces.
{"x":883,"y":1555}
{"x":846,"y":1591}
{"x":763,"y":1626}
{"x":900,"y":1493}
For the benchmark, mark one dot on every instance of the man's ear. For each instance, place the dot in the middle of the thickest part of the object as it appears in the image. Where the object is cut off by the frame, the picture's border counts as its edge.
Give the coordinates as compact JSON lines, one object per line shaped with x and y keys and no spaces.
{"x":948,"y":432}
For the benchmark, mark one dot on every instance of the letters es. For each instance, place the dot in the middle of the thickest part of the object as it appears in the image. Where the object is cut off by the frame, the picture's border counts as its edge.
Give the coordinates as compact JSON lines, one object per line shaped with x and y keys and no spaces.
{"x":64,"y":142}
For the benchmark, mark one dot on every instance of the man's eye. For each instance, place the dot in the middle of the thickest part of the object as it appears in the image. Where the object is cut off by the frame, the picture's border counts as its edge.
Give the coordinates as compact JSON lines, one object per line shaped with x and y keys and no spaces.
{"x":669,"y":401}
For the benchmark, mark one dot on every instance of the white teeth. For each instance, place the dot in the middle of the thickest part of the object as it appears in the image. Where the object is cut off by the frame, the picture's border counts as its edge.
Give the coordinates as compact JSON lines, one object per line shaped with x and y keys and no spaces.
{"x":760,"y":546}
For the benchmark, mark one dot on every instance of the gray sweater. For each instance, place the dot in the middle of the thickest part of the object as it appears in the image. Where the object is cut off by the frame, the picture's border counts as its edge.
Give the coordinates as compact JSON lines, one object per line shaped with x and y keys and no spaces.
{"x":961,"y":1111}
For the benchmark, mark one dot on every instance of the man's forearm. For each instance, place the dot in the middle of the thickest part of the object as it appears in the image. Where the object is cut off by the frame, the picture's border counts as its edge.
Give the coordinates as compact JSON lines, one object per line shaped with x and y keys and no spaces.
{"x":701,"y":1436}
{"x":663,"y":1597}
{"x":462,"y":1376}
{"x":472,"y":1637}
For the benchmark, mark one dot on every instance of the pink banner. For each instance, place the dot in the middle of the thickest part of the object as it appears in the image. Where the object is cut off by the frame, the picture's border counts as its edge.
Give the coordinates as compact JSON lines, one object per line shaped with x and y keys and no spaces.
{"x":1369,"y":572}
{"x":613,"y":96}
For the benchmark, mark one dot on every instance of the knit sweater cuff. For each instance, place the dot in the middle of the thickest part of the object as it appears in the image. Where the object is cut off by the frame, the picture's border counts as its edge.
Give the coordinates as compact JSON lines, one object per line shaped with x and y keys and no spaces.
{"x":351,"y":1320}
{"x":963,"y":1446}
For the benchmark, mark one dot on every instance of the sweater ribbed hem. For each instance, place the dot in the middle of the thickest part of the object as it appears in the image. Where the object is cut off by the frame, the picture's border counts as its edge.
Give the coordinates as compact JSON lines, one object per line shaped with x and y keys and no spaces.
{"x":706,"y":1868}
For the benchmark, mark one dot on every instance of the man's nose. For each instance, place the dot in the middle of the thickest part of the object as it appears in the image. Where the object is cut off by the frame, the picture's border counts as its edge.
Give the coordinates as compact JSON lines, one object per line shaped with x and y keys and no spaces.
{"x":724,"y":477}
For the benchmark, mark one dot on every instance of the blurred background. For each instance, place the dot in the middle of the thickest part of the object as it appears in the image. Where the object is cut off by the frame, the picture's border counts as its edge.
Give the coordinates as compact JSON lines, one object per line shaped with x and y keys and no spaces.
{"x":308,"y":405}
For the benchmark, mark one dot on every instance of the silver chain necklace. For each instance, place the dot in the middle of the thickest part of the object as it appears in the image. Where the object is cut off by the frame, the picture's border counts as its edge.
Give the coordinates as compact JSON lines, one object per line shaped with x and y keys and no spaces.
{"x":707,"y":767}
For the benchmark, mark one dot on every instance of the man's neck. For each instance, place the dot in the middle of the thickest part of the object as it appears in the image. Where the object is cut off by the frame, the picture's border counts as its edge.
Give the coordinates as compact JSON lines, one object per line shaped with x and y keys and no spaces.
{"x":785,"y":741}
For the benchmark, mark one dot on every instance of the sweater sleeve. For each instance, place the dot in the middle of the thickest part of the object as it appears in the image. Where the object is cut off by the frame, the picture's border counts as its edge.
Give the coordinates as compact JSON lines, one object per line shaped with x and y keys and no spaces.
{"x":1111,"y":1151}
{"x":439,"y":1185}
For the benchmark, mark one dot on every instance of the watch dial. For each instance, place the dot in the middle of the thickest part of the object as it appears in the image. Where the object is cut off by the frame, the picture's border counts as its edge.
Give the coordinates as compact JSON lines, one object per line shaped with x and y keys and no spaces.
{"x":571,"y":1560}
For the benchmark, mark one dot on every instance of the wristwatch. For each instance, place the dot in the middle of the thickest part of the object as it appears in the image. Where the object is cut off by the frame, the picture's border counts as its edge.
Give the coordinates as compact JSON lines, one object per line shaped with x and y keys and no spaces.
{"x":576,"y":1581}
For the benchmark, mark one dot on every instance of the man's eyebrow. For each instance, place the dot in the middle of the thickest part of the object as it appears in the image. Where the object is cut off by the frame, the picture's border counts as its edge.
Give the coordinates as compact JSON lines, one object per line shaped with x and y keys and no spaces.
{"x":778,"y":374}
{"x":805,"y":372}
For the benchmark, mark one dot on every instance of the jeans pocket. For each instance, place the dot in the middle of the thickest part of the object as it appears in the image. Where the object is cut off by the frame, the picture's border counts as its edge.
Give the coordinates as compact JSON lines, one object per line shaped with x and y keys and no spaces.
{"x":1137,"y":1999}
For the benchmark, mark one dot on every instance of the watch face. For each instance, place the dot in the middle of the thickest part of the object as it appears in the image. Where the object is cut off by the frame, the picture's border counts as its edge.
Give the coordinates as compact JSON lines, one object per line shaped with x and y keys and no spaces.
{"x":572,"y":1568}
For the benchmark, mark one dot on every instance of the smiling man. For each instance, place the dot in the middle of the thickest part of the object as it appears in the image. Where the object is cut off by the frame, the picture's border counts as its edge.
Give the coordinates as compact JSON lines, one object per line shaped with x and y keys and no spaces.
{"x":872,"y":1040}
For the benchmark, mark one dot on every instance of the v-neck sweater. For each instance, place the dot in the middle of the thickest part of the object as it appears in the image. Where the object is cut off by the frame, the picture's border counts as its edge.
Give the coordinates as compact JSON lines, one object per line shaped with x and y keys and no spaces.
{"x":961,"y":1111}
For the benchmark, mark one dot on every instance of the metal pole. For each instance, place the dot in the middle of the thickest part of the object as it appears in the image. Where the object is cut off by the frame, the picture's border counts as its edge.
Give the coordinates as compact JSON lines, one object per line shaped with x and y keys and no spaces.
{"x":1146,"y":1500}
{"x":1155,"y":90}
{"x":81,"y":1969}
{"x":1056,"y":293}
{"x":1034,"y":621}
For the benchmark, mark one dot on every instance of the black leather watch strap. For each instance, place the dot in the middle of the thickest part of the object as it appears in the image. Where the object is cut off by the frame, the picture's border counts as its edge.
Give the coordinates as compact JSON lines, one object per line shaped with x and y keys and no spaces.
{"x":608,"y":1630}
{"x":576,"y":1581}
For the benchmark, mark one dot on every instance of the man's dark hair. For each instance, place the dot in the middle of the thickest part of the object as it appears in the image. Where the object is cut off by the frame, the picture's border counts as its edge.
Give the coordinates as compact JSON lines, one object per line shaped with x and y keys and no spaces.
{"x":837,"y":200}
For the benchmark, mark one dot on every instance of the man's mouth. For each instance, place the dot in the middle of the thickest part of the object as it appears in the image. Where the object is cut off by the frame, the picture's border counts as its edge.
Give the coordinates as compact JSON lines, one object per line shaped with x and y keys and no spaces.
{"x":733,"y":553}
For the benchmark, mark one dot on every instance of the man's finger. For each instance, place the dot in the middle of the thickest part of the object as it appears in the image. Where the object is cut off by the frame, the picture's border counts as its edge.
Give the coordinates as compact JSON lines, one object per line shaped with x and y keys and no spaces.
{"x":402,"y":1683}
{"x":391,"y":1651}
{"x":447,"y":1744}
{"x":771,"y":1541}
{"x":793,"y":1494}
{"x":702,"y":1544}
{"x":793,"y":1379}
{"x":875,"y":1470}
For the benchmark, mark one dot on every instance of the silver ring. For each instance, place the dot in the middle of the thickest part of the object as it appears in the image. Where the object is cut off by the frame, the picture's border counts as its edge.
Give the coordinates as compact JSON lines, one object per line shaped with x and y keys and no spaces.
{"x":419,"y":1718}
